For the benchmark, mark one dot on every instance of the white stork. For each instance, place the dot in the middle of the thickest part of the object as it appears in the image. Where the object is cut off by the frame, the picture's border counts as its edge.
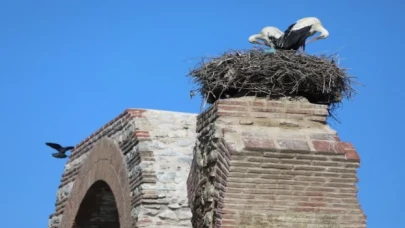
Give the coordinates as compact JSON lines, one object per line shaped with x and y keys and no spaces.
{"x":296,"y":34}
{"x":268,"y":35}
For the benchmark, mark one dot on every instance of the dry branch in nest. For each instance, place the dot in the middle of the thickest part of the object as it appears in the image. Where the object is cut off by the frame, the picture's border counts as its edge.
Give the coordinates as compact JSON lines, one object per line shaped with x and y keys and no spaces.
{"x":257,"y":73}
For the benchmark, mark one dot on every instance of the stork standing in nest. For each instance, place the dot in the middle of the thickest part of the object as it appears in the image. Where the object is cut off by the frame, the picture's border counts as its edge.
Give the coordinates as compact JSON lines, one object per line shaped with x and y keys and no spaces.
{"x":269,"y":35}
{"x":296,"y":34}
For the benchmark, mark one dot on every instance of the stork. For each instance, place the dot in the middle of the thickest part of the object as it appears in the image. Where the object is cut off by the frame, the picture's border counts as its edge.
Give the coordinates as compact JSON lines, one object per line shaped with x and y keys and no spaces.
{"x":296,"y":34}
{"x":268,"y":35}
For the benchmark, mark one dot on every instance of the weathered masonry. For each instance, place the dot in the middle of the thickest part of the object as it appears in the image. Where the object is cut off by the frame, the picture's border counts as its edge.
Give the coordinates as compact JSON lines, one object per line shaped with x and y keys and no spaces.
{"x":244,"y":162}
{"x":262,"y":163}
{"x":130,"y":173}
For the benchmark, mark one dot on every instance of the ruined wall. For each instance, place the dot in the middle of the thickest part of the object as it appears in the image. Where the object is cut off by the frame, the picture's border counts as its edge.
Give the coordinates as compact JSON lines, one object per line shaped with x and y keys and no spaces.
{"x":261,"y":163}
{"x":144,"y":156}
{"x":257,"y":163}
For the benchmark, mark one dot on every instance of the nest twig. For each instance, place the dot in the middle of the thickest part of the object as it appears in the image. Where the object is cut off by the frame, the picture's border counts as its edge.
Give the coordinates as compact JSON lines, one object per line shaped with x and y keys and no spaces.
{"x":257,"y":73}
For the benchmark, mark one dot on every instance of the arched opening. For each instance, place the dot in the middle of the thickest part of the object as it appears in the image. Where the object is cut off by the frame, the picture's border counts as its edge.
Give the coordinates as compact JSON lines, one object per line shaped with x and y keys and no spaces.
{"x":98,"y":208}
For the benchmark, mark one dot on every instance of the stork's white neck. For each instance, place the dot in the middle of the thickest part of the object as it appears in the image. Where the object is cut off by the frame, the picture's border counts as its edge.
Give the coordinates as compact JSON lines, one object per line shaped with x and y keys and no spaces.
{"x":253,"y":38}
{"x":323,"y":31}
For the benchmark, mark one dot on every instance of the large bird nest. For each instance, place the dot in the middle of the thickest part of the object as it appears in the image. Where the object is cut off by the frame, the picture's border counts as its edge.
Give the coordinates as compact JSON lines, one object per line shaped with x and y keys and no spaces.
{"x":284,"y":74}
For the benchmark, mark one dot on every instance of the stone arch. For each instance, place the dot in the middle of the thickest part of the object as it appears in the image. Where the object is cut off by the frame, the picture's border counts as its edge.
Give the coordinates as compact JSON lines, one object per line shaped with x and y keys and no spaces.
{"x":104,"y":168}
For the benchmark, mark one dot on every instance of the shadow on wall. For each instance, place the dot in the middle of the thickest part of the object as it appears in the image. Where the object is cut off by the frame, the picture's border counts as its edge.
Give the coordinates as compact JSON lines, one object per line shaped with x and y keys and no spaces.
{"x":98,"y":208}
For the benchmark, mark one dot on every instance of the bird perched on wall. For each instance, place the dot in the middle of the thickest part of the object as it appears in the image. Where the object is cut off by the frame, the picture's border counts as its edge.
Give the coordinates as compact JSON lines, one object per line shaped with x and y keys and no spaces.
{"x":268,"y":35}
{"x":296,"y":34}
{"x":61,"y":150}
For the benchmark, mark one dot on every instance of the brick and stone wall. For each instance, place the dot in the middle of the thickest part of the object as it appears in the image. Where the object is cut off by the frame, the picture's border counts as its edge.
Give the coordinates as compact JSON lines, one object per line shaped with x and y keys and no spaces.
{"x":244,"y":162}
{"x":261,"y":163}
{"x":140,"y":160}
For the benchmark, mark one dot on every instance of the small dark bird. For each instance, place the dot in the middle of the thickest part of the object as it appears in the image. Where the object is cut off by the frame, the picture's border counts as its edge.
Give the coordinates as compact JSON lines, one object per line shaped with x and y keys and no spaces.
{"x":61,"y":150}
{"x":192,"y":94}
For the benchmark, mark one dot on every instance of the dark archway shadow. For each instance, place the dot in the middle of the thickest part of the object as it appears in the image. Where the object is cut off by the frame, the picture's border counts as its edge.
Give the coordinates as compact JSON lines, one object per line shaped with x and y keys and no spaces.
{"x":98,"y":208}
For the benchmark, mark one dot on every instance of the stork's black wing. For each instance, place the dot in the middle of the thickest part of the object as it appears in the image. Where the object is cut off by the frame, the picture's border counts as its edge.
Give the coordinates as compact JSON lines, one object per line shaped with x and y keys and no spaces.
{"x":293,"y":39}
{"x":54,"y":146}
{"x":289,"y":29}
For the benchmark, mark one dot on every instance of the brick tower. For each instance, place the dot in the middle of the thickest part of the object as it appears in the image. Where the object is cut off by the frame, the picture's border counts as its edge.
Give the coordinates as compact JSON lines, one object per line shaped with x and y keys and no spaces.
{"x":264,"y":163}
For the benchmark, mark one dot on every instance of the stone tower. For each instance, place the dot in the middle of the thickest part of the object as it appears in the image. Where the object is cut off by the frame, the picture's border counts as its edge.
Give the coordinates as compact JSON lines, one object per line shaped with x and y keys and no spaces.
{"x":244,"y":162}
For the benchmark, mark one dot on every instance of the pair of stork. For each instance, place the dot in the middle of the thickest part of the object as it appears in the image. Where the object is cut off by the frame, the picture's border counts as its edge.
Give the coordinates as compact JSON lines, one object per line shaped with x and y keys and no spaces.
{"x":293,"y":38}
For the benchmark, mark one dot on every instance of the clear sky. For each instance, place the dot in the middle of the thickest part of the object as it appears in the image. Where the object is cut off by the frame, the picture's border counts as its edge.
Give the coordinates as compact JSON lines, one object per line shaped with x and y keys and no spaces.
{"x":68,"y":67}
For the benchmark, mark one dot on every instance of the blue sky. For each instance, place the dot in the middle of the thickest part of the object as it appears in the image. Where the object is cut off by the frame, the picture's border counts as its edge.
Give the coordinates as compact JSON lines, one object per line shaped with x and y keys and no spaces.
{"x":68,"y":67}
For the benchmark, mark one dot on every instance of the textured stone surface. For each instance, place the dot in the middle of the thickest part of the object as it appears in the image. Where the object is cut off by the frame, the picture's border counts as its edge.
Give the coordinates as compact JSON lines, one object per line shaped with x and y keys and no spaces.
{"x":246,"y":163}
{"x":262,"y":163}
{"x":149,"y":154}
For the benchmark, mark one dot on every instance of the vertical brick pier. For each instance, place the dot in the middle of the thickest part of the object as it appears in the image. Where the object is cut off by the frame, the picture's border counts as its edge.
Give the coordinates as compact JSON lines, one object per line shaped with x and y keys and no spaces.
{"x":260,"y":163}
